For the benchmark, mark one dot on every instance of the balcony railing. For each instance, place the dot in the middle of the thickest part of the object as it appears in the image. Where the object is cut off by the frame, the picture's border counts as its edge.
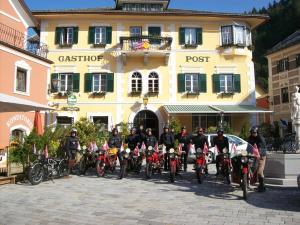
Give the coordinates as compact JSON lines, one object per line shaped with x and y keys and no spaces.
{"x":17,"y":39}
{"x":145,"y":43}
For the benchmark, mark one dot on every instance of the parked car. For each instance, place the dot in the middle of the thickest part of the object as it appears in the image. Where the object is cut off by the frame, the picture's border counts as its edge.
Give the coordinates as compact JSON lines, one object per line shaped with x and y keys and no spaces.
{"x":239,"y":143}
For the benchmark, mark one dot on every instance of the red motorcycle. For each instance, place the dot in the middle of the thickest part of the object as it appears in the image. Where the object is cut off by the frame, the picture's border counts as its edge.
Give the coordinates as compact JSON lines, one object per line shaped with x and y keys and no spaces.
{"x":225,"y":164}
{"x":106,"y":161}
{"x":154,"y":161}
{"x":175,"y":163}
{"x":200,"y":164}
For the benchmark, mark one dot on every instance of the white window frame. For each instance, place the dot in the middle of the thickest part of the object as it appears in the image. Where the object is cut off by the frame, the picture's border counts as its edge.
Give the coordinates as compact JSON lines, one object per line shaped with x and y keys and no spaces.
{"x":239,"y":31}
{"x":26,"y":67}
{"x":100,"y":31}
{"x":136,"y":79}
{"x":135,"y":28}
{"x":69,"y":32}
{"x":224,"y":88}
{"x":90,"y":116}
{"x":101,"y":77}
{"x":151,"y":82}
{"x":67,"y":75}
{"x":191,"y":81}
{"x":188,"y":32}
{"x":228,"y":38}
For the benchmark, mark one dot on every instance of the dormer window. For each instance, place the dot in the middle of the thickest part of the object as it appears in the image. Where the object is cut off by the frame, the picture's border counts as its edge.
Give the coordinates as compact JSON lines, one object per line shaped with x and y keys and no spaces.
{"x":142,"y":7}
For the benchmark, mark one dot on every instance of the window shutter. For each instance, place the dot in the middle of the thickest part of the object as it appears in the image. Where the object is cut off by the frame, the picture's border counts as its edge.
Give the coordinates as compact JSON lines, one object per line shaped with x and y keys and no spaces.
{"x":199,"y":36}
{"x":108,"y":35}
{"x":88,"y":82}
{"x":237,"y":83}
{"x":216,"y":83}
{"x":53,"y":77}
{"x":75,"y":35}
{"x":76,"y":82}
{"x":91,"y":38}
{"x":181,"y":36}
{"x":57,"y":35}
{"x":110,"y":82}
{"x":202,"y":83}
{"x":181,"y":82}
{"x":154,"y":32}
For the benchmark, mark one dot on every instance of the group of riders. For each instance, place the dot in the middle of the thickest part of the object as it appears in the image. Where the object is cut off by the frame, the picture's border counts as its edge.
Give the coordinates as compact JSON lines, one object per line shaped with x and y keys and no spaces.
{"x":139,"y":137}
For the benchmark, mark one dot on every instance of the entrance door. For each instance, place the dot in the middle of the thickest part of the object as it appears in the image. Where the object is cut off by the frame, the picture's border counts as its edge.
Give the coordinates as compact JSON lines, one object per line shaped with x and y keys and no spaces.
{"x":148,"y":119}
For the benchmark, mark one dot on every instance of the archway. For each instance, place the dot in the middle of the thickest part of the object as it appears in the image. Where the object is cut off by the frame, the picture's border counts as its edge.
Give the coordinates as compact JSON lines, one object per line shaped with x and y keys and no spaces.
{"x":149,"y":120}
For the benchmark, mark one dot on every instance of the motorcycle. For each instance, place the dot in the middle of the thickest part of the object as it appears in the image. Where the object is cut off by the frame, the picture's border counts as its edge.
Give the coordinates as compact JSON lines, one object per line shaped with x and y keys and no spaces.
{"x":200,"y":164}
{"x":243,"y":166}
{"x":225,"y":164}
{"x":154,"y":162}
{"x":136,"y":159}
{"x":125,"y":155}
{"x":47,"y":168}
{"x":88,"y":160}
{"x":106,"y":161}
{"x":175,"y":163}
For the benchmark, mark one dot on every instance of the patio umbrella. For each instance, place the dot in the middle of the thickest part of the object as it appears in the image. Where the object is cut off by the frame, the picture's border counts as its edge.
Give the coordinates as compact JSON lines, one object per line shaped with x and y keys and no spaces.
{"x":38,"y":123}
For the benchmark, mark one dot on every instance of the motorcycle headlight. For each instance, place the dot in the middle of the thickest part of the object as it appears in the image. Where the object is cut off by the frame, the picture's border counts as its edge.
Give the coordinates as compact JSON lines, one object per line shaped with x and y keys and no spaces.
{"x":150,"y":148}
{"x":127,"y":150}
{"x":172,"y":151}
{"x":244,"y":159}
{"x":244,"y":153}
{"x":199,"y":150}
{"x":126,"y":155}
{"x":225,"y":150}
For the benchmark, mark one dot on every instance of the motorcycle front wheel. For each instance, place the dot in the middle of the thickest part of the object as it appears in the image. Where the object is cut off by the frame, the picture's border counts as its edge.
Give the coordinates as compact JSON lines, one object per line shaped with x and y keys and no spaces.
{"x":199,"y":175}
{"x":82,"y":166}
{"x":63,"y":169}
{"x":227,"y":175}
{"x":36,"y":174}
{"x":244,"y":186}
{"x":100,"y":168}
{"x":123,"y":169}
{"x":172,"y":171}
{"x":148,"y":170}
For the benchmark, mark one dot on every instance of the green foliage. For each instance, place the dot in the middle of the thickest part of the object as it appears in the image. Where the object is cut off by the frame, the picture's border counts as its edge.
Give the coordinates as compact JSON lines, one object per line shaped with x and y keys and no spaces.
{"x":175,"y":124}
{"x":245,"y":131}
{"x":284,"y":20}
{"x":124,"y":130}
{"x":211,"y":130}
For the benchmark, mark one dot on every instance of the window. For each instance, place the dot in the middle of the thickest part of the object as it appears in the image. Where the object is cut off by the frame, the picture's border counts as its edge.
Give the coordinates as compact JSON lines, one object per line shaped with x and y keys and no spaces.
{"x":191,"y":83}
{"x":298,"y":60}
{"x":208,"y":120}
{"x":283,"y":65}
{"x":64,"y":120}
{"x":135,"y":31}
{"x":276,"y":100}
{"x":100,"y":35}
{"x":236,"y":35}
{"x":285,"y":95}
{"x":190,"y":36}
{"x":153,"y":83}
{"x":65,"y":83}
{"x":155,"y":34}
{"x":142,"y":7}
{"x":226,"y":83}
{"x":99,"y":82}
{"x":136,"y":82}
{"x":66,"y":35}
{"x":21,"y":80}
{"x":18,"y":135}
{"x":103,"y":120}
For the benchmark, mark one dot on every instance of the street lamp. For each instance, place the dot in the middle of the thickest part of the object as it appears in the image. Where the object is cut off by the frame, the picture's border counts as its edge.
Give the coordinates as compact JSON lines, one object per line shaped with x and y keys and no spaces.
{"x":145,"y":101}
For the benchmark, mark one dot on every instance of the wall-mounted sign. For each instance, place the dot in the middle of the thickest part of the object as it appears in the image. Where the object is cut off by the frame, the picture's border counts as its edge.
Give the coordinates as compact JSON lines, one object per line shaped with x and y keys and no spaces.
{"x":197,"y":58}
{"x":80,"y":58}
{"x":71,"y":100}
{"x":19,"y":117}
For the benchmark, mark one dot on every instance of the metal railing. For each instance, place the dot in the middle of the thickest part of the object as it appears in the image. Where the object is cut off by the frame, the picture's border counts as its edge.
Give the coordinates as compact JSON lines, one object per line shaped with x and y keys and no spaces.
{"x":144,"y":43}
{"x":17,"y":39}
{"x":287,"y":144}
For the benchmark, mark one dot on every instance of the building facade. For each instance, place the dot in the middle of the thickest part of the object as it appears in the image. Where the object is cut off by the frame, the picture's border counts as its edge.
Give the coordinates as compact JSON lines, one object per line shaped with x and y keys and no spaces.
{"x":23,"y":72}
{"x":143,"y":63}
{"x":284,"y":75}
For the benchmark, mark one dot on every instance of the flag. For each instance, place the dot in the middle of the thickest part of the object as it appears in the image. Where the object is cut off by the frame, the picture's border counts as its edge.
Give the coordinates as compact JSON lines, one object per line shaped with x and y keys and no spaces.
{"x":234,"y":149}
{"x":156,"y":147}
{"x":143,"y":146}
{"x":136,"y":151}
{"x":46,"y":152}
{"x":105,"y":146}
{"x":122,"y":147}
{"x":255,"y":151}
{"x":180,"y":149}
{"x":205,"y":149}
{"x":34,"y":149}
{"x":216,"y":149}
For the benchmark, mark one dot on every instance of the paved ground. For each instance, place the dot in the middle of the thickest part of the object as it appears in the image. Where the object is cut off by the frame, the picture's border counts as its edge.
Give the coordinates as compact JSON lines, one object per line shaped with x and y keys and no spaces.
{"x":134,"y":200}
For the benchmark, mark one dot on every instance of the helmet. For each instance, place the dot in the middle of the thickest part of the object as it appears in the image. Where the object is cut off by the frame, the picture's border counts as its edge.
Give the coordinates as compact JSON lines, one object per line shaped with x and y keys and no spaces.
{"x":183,"y":127}
{"x":166,"y":127}
{"x":220,"y":130}
{"x":114,"y":130}
{"x":133,"y":129}
{"x":73,"y":130}
{"x":148,"y":130}
{"x":254,"y":129}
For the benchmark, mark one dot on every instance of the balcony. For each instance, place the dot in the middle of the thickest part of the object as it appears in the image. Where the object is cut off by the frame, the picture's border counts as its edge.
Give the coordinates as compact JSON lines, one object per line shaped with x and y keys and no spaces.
{"x":145,"y":46}
{"x":17,"y":39}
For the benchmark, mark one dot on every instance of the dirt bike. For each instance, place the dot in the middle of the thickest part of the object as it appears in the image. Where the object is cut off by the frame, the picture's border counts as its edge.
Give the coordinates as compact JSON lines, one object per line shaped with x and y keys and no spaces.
{"x":154,"y":162}
{"x":125,"y":157}
{"x":136,"y":160}
{"x":200,"y":164}
{"x":106,"y":161}
{"x":175,"y":163}
{"x":225,"y":164}
{"x":47,"y":168}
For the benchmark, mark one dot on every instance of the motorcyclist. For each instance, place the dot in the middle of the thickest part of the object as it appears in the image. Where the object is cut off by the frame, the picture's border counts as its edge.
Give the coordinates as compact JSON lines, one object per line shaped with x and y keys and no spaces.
{"x":150,"y":139}
{"x":167,"y":139}
{"x":133,"y":139}
{"x":115,"y":141}
{"x":221,"y":142}
{"x":199,"y":140}
{"x":256,"y":139}
{"x":141,"y":134}
{"x":184,"y":139}
{"x":72,"y":146}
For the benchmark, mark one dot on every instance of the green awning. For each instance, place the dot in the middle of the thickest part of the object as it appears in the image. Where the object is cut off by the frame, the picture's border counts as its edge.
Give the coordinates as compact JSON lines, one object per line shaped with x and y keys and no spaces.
{"x":181,"y":109}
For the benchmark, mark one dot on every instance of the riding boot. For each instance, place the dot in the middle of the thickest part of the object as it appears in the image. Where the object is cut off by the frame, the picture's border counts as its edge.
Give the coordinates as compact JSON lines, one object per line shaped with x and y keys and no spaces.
{"x":261,"y":186}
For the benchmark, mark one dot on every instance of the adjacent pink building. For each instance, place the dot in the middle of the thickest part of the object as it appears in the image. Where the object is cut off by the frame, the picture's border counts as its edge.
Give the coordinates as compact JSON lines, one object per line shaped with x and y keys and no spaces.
{"x":24,"y":68}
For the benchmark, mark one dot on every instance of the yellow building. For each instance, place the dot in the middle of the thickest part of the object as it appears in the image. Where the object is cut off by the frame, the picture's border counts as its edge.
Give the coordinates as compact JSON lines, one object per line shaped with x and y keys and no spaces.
{"x":187,"y":64}
{"x":284,"y":75}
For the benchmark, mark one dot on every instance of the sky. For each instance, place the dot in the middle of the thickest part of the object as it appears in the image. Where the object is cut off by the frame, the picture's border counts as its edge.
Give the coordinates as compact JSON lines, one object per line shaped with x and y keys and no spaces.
{"x":202,"y":5}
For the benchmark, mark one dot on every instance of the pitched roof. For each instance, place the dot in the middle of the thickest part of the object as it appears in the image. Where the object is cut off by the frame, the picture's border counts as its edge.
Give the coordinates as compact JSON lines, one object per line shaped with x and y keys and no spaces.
{"x":291,"y":40}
